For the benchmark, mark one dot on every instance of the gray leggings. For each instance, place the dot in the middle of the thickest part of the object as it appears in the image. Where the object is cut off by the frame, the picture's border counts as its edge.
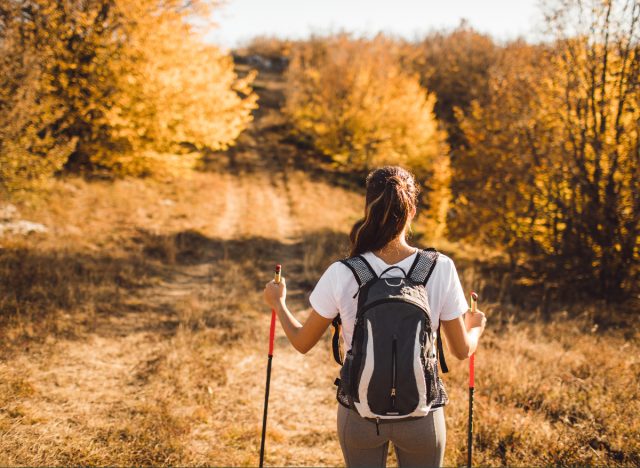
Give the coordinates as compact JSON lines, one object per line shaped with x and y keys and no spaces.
{"x":419,"y":442}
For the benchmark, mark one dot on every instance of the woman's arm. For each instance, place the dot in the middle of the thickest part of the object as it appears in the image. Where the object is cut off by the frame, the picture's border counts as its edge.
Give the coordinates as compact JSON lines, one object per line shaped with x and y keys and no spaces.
{"x":302,"y":337}
{"x":463,"y":334}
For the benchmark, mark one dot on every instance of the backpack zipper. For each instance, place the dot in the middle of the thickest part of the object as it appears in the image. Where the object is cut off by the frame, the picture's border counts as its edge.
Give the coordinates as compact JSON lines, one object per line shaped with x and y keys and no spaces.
{"x":393,"y":372}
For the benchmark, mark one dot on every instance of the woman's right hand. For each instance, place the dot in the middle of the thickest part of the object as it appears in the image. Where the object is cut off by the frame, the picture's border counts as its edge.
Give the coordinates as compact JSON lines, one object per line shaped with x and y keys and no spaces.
{"x":475,"y":319}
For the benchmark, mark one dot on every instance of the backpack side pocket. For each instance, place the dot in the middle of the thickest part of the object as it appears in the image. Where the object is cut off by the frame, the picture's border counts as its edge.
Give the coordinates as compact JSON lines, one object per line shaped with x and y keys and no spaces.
{"x":346,"y":373}
{"x":430,"y":378}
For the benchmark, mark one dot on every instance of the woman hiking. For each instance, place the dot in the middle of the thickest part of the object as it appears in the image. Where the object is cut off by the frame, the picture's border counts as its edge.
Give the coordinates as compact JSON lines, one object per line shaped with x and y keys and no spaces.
{"x":379,"y":250}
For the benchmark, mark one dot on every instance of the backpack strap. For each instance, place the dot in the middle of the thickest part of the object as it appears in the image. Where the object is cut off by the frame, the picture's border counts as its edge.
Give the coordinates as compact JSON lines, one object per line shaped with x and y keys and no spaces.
{"x":363,"y":273}
{"x":443,"y":363}
{"x":423,"y":265}
{"x":335,"y":340}
{"x":420,"y":272}
{"x":360,"y":268}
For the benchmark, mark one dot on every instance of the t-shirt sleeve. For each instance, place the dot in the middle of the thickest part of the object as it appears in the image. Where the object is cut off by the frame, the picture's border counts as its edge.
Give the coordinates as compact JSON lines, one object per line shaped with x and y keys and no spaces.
{"x":324,"y":297}
{"x":454,"y":301}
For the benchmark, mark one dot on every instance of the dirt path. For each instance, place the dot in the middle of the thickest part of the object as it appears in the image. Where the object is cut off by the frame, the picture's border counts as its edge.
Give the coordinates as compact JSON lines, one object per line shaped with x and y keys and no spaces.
{"x":107,"y":391}
{"x":98,"y":377}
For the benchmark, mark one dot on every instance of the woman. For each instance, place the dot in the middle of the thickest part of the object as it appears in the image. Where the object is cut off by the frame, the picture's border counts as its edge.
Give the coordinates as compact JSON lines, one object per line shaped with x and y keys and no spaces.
{"x":381,"y":239}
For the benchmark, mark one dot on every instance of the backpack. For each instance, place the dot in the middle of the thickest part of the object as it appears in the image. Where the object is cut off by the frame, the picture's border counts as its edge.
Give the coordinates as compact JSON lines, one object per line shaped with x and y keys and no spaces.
{"x":390,"y":373}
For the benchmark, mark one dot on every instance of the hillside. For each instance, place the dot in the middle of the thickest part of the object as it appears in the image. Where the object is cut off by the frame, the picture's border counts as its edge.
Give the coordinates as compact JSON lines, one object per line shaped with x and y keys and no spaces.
{"x":134,"y":330}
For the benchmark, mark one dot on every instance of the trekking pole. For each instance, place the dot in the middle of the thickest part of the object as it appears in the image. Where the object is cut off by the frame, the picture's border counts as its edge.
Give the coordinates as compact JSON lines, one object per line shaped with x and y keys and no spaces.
{"x":474,"y":301}
{"x":272,"y":332}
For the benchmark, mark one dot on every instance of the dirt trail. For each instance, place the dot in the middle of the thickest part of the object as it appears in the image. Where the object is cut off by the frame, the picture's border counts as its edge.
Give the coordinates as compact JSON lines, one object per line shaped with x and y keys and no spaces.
{"x":103,"y":376}
{"x":98,"y":377}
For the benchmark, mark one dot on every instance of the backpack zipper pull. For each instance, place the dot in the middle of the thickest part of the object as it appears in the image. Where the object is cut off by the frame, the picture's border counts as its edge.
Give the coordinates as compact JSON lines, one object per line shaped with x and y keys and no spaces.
{"x":377,"y":427}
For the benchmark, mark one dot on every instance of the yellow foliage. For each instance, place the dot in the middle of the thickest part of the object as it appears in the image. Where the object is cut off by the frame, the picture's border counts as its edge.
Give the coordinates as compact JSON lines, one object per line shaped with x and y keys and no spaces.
{"x":176,"y":89}
{"x":108,"y":83}
{"x":352,"y":99}
{"x":551,"y":166}
{"x":354,"y":102}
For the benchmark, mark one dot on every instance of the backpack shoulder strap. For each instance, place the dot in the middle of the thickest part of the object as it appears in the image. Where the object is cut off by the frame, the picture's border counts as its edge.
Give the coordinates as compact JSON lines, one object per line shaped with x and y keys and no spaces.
{"x":363,"y":272}
{"x":360,"y":268}
{"x":423,"y":265}
{"x":443,"y":362}
{"x":335,"y":339}
{"x":420,"y":272}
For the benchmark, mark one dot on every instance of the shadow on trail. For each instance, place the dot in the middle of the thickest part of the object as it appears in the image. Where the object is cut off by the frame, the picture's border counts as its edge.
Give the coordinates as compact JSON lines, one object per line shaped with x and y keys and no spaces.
{"x":160,"y":281}
{"x":303,"y":260}
{"x":151,"y":284}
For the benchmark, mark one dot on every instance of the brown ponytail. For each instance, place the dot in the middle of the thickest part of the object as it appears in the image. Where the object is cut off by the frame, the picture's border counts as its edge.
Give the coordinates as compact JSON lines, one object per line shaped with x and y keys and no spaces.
{"x":391,"y":195}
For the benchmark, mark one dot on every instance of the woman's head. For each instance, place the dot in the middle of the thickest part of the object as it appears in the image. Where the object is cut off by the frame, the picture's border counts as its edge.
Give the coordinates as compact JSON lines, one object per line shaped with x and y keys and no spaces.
{"x":391,"y":200}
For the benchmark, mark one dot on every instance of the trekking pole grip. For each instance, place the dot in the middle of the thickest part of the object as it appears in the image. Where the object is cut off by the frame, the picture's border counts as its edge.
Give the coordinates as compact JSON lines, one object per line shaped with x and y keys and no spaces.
{"x":272,"y":330}
{"x":474,"y":305}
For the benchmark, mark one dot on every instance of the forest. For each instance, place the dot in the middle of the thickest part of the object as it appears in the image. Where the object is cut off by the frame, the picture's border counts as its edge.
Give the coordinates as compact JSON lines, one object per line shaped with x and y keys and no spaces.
{"x":529,"y":149}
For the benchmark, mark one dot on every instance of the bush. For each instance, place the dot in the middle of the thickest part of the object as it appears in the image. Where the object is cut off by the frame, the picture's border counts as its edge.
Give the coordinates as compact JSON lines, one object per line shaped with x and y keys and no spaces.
{"x":353,"y":101}
{"x":551,"y":168}
{"x":103,"y":85}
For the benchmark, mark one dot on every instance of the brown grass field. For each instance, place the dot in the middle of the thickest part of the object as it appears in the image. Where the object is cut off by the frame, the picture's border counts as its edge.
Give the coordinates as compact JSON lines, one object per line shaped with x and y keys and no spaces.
{"x":134,"y":332}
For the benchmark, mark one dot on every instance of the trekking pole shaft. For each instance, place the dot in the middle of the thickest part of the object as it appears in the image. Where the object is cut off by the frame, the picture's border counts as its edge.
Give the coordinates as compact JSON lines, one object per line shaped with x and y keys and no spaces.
{"x":272,"y":333}
{"x":470,"y":433}
{"x":264,"y":414}
{"x":474,"y":299}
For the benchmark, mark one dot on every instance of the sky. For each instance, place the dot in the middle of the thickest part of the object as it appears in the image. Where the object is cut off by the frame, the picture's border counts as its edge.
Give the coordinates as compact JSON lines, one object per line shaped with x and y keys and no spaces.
{"x":240,"y":20}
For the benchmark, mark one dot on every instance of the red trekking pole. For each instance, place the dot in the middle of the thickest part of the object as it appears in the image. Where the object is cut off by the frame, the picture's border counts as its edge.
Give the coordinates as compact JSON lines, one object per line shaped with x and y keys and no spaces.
{"x":474,"y":301}
{"x":272,"y":332}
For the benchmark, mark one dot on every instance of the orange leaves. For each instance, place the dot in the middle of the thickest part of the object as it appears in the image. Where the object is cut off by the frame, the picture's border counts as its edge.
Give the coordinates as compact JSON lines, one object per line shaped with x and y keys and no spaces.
{"x":356,"y":103}
{"x":124,"y":79}
{"x":556,"y":145}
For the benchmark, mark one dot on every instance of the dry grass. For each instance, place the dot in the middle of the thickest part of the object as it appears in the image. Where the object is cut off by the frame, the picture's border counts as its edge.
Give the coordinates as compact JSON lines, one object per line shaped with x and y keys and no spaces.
{"x":559,"y":393}
{"x":138,"y":343}
{"x":134,"y":333}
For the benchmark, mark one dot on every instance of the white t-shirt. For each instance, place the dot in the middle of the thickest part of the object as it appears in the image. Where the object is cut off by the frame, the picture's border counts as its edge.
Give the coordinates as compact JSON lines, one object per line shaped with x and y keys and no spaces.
{"x":334,"y":292}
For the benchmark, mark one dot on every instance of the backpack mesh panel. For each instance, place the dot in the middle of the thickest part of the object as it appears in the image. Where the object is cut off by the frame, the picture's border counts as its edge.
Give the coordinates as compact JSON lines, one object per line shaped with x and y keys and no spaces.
{"x":362,"y":271}
{"x":442,"y":398}
{"x":426,"y":259}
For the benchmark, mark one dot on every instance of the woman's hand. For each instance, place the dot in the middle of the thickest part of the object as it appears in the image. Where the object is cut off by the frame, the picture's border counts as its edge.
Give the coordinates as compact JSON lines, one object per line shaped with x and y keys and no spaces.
{"x":463,"y":332}
{"x":475,"y":319}
{"x":302,"y":337}
{"x":275,"y":293}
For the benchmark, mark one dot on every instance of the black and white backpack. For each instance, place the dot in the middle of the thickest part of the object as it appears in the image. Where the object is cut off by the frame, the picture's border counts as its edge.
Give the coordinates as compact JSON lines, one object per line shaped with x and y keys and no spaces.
{"x":391,"y":373}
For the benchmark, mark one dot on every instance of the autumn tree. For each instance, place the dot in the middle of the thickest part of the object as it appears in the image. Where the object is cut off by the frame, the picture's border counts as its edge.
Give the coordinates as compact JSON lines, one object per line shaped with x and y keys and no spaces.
{"x":111,"y":84}
{"x":36,"y":136}
{"x":172,"y":88}
{"x":556,"y":148}
{"x":455,"y":66}
{"x":496,"y":172}
{"x":354,"y":102}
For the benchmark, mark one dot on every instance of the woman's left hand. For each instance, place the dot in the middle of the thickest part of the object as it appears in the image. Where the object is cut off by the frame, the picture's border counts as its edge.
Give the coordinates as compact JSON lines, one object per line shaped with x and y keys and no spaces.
{"x":275,"y":293}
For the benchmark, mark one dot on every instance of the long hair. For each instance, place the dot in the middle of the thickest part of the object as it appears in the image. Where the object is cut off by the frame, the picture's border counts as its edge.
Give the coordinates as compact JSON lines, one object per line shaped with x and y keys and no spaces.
{"x":391,"y":195}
